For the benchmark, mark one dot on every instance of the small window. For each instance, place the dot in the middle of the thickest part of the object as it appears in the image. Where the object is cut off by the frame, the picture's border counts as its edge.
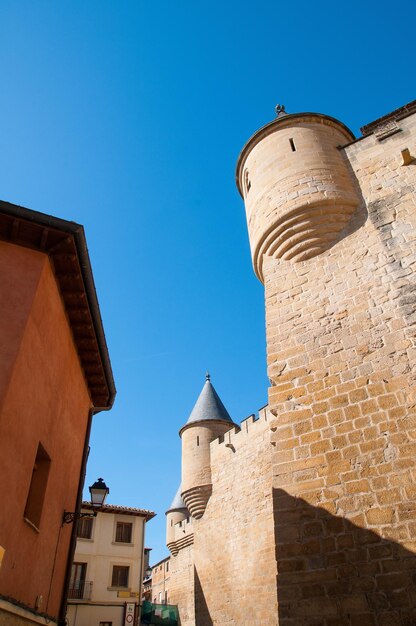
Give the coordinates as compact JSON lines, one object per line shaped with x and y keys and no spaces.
{"x":37,"y":489}
{"x":120,"y":577}
{"x":292,"y":145}
{"x":160,"y":597}
{"x":197,"y":440}
{"x":106,"y":624}
{"x":167,"y":566}
{"x":124,"y":532}
{"x":247,"y":182}
{"x":84,"y":528}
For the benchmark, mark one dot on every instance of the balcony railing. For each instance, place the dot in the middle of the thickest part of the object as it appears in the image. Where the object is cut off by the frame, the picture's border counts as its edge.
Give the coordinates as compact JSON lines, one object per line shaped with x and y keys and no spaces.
{"x":80,"y":590}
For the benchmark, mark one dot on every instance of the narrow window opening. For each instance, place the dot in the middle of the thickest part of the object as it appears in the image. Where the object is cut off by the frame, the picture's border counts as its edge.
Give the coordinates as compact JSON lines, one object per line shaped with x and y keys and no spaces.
{"x":37,"y":489}
{"x":197,"y":440}
{"x":247,"y":182}
{"x":292,"y":145}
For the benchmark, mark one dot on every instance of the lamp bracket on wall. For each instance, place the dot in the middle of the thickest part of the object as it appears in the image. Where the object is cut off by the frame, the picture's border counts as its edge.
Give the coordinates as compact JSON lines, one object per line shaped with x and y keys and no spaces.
{"x":69,"y":518}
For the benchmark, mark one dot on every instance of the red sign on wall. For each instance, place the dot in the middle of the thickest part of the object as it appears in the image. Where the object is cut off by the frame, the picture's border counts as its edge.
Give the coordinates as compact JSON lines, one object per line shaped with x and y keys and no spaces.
{"x":129,"y":614}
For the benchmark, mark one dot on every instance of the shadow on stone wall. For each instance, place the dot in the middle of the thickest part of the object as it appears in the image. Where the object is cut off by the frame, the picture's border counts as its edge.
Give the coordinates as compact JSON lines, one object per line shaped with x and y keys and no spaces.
{"x":333,"y":573}
{"x":360,"y":215}
{"x":202,"y":614}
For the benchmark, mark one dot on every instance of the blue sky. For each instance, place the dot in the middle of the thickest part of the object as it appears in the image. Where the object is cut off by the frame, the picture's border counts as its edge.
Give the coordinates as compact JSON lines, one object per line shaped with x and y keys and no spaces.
{"x":128,"y":117}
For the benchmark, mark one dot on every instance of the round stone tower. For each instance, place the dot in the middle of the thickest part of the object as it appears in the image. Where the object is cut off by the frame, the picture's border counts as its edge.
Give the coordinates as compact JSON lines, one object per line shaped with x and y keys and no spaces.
{"x":177,"y":512}
{"x":297,"y":188}
{"x":208,"y":420}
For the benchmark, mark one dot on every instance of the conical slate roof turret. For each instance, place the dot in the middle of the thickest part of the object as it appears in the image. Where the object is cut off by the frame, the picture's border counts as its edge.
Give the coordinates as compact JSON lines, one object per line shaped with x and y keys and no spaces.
{"x":208,"y":406}
{"x":177,"y":503}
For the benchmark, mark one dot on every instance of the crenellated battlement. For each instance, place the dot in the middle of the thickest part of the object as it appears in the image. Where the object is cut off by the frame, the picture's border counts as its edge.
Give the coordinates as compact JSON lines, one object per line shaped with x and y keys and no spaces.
{"x":237,"y":439}
{"x":183,"y":528}
{"x":251,"y":425}
{"x":183,"y":535}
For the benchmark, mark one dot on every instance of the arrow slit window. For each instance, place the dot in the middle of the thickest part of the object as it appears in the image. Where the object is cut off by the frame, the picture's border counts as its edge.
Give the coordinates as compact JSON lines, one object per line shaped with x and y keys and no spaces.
{"x":247,"y":182}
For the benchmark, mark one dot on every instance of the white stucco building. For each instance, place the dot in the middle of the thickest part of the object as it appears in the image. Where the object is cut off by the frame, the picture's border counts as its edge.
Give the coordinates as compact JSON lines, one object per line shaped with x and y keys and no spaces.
{"x":107,"y":572}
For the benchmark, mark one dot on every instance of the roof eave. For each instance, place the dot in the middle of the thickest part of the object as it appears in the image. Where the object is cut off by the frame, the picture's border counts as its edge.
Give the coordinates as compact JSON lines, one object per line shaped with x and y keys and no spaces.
{"x":207,"y":422}
{"x":182,"y":509}
{"x":76,"y":233}
{"x":108,"y":508}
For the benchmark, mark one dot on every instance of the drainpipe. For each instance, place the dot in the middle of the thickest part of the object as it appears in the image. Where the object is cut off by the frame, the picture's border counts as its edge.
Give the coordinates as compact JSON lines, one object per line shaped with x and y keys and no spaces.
{"x":64,"y":602}
{"x":141,"y":573}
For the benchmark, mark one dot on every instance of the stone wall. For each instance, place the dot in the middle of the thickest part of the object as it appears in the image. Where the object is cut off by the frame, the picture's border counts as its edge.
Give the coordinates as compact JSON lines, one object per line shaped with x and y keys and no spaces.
{"x":340,"y":342}
{"x":319,"y":494}
{"x":230,"y":571}
{"x":182,"y":584}
{"x":235,"y":569}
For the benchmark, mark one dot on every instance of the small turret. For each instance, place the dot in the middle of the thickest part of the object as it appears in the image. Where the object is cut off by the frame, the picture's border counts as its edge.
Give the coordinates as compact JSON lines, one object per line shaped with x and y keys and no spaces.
{"x":297,"y":188}
{"x":177,"y":512}
{"x":208,"y":420}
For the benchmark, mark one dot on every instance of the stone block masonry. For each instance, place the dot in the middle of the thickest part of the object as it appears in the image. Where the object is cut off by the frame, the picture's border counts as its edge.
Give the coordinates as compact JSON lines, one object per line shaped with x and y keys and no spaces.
{"x":311,"y":519}
{"x":341,"y":346}
{"x":231,"y":564}
{"x":182,"y":584}
{"x":237,"y":573}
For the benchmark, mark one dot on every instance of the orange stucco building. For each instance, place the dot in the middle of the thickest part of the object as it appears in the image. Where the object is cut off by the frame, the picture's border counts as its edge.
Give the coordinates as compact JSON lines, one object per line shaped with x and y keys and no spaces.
{"x":55,"y":374}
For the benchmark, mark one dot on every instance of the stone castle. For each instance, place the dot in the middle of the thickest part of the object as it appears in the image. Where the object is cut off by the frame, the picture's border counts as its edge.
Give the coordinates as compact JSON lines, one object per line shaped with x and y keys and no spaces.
{"x":306,"y":514}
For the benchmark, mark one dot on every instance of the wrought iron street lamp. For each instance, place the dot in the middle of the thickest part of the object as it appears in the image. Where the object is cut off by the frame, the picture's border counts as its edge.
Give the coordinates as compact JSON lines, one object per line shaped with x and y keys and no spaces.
{"x":98,"y":491}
